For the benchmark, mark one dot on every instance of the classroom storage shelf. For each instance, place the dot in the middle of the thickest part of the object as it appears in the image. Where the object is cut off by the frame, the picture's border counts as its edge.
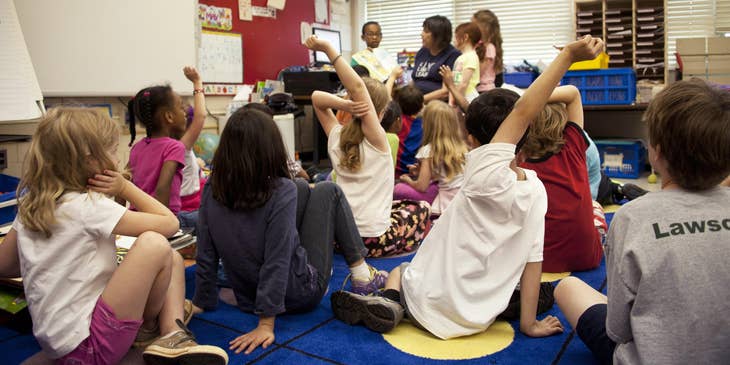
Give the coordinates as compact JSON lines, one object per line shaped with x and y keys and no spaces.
{"x":604,"y":87}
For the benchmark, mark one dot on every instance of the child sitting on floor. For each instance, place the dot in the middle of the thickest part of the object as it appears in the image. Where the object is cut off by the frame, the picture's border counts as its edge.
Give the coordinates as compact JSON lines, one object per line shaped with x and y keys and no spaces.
{"x":667,"y":253}
{"x":85,"y":308}
{"x":274,"y":235}
{"x":556,"y":150}
{"x":491,"y":236}
{"x":362,"y":159}
{"x":440,"y":159}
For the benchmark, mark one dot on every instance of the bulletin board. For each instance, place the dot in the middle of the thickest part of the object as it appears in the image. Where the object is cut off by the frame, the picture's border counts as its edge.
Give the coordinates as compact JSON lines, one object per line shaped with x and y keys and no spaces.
{"x":220,"y":58}
{"x":270,"y":44}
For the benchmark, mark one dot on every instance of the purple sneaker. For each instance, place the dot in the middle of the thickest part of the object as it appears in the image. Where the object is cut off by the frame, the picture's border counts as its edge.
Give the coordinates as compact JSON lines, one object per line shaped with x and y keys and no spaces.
{"x":376,"y":282}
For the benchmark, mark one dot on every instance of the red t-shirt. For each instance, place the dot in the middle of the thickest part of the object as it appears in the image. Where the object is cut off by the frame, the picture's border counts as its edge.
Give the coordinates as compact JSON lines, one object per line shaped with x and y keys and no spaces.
{"x":571,"y":240}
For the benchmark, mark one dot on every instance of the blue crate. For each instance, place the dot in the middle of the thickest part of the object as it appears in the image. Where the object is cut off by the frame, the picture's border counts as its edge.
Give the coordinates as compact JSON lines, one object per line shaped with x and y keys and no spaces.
{"x":622,"y":158}
{"x":520,"y":79}
{"x":611,"y":86}
{"x":8,"y":184}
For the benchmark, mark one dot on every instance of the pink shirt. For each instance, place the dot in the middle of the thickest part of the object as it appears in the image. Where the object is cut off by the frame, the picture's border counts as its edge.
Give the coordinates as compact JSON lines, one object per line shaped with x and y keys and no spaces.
{"x":487,"y":73}
{"x":146,"y":159}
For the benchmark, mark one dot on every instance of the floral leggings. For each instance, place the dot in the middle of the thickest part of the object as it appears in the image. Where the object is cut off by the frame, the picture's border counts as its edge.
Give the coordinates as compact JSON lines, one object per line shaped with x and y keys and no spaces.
{"x":410,"y":221}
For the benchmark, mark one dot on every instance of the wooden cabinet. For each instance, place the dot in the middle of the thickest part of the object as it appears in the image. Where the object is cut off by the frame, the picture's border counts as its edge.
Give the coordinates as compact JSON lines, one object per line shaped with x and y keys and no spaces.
{"x":634,"y":32}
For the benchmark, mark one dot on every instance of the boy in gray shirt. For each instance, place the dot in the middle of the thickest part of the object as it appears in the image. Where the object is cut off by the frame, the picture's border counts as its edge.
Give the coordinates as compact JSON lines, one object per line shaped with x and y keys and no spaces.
{"x":667,"y":252}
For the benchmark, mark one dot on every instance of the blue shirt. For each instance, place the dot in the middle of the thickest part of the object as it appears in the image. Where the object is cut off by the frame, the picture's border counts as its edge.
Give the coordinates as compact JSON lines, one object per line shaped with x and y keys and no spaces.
{"x":426,"y":68}
{"x":265,"y":264}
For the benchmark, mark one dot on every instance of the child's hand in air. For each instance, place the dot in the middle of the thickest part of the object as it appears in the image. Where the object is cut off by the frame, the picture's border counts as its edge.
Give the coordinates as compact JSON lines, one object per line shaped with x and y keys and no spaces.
{"x":546,"y":327}
{"x":316,"y":44}
{"x":191,"y":73}
{"x":356,"y":108}
{"x":110,"y":183}
{"x":446,"y":74}
{"x":584,"y":49}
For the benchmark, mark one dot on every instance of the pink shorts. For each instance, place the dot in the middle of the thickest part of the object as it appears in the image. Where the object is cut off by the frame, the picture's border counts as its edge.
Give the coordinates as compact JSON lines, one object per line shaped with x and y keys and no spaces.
{"x":109,"y":338}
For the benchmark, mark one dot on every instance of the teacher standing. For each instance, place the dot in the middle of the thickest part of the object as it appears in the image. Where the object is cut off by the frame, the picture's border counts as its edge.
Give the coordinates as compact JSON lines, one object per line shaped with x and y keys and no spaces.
{"x":436,"y":51}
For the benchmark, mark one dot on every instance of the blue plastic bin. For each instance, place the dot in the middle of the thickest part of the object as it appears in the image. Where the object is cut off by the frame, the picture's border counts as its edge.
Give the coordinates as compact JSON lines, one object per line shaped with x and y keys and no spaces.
{"x":611,"y":86}
{"x":8,"y":185}
{"x":622,"y":158}
{"x":520,"y":79}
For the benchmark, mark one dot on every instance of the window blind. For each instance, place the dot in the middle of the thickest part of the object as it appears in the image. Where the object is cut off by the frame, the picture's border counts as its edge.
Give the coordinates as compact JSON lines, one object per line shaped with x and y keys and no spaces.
{"x":688,"y":19}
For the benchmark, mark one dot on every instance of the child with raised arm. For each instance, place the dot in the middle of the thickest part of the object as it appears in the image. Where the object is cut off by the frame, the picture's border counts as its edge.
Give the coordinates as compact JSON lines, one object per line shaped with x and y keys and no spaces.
{"x":273,"y":234}
{"x":440,"y":159}
{"x":556,"y":150}
{"x":361,"y":157}
{"x":667,"y":253}
{"x":489,"y":240}
{"x":157,"y":161}
{"x":85,"y":308}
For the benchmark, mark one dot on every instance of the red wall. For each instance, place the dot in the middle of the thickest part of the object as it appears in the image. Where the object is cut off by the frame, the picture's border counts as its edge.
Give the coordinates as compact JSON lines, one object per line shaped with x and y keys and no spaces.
{"x":270,"y":44}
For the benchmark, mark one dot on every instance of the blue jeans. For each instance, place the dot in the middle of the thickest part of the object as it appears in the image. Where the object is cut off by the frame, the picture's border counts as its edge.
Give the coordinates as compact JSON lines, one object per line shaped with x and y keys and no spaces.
{"x":188,"y":219}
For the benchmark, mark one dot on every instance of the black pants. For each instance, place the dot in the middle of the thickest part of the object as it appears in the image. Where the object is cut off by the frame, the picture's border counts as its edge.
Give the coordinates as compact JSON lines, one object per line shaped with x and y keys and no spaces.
{"x":323,"y":217}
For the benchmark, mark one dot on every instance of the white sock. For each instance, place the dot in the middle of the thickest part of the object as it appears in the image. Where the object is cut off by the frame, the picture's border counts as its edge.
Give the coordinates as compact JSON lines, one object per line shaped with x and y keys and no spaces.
{"x":361,"y":272}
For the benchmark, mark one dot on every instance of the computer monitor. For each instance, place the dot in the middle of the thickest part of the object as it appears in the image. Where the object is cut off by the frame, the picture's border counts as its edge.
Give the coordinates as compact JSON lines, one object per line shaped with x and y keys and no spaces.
{"x":332,"y":36}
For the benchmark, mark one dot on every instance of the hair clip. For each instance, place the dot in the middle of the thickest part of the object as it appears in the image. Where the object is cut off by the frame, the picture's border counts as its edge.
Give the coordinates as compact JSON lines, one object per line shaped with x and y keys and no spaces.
{"x":146,"y":93}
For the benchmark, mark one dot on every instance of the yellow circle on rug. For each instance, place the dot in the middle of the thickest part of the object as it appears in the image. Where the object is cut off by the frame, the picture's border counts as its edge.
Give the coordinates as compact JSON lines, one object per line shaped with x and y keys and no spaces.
{"x":548,"y":277}
{"x":414,"y":341}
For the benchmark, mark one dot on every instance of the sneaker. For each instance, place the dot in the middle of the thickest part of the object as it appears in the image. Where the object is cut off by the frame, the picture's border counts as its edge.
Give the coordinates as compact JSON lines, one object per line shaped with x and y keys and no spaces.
{"x":376,"y":282}
{"x":377,"y":313}
{"x":545,"y":301}
{"x":146,"y":337}
{"x":631,"y":191}
{"x":181,"y":348}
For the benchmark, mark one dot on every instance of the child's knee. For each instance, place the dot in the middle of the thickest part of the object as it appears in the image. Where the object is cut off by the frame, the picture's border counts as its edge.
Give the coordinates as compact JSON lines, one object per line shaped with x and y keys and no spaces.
{"x":565,"y":288}
{"x":153,"y":244}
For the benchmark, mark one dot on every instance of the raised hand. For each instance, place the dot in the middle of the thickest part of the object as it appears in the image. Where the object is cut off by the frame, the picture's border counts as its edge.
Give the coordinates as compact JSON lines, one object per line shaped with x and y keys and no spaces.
{"x":446,"y":74}
{"x":316,"y":44}
{"x":586,"y":48}
{"x":191,"y":73}
{"x":396,"y":72}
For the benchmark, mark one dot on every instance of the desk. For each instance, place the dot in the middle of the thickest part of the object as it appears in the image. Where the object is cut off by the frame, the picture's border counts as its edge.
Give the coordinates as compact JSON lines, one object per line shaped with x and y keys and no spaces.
{"x":615,"y":121}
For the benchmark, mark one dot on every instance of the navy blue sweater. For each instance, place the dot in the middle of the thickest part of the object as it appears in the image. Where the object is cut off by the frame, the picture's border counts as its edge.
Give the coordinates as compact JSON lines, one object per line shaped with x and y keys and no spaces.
{"x":264,"y":262}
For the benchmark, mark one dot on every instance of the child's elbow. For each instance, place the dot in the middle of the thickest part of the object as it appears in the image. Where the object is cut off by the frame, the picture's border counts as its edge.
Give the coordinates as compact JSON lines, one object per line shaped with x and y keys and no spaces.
{"x":170,"y":226}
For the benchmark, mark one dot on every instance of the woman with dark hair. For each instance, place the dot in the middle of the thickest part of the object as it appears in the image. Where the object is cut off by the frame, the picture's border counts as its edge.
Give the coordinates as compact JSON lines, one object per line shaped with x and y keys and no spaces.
{"x":274,"y":235}
{"x":436,"y":52}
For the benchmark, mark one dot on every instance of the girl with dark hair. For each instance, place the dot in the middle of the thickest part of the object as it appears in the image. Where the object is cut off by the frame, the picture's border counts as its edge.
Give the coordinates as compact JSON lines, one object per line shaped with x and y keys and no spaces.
{"x":436,"y":52}
{"x":274,"y":235}
{"x":157,"y":162}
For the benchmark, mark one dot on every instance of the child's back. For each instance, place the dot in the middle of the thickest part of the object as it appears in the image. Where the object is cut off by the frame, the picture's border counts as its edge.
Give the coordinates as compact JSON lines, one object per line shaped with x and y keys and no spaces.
{"x":410,"y":100}
{"x":146,"y":159}
{"x":458,"y":256}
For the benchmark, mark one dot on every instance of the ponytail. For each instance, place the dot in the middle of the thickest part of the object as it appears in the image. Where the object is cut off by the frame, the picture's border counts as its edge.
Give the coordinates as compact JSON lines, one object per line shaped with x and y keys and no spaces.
{"x":145,"y":107}
{"x":481,"y":50}
{"x":131,"y":121}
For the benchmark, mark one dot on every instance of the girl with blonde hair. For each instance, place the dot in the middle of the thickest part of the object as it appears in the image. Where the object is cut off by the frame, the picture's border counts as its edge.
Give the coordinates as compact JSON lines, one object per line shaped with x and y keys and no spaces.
{"x":361,"y":157}
{"x":85,"y":308}
{"x":441,"y":158}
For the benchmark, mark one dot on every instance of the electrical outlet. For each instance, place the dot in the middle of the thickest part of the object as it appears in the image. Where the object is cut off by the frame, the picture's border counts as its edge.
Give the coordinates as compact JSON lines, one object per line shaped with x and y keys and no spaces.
{"x":3,"y":159}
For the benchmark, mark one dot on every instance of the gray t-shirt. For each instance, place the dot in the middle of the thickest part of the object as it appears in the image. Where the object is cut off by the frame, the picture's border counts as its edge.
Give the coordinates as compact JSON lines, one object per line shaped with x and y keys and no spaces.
{"x":668,"y":278}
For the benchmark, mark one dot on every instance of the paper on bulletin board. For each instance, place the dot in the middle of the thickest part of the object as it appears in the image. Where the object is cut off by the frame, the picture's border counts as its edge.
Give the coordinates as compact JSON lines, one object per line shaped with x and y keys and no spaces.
{"x":276,"y":4}
{"x":215,"y":17}
{"x":320,"y":11}
{"x":220,"y":58}
{"x":244,"y":10}
{"x":263,"y":11}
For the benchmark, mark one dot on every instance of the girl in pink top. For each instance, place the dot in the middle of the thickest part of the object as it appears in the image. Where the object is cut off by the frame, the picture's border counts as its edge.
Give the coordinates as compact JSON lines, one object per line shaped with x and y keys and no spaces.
{"x":157,"y":161}
{"x":491,"y":64}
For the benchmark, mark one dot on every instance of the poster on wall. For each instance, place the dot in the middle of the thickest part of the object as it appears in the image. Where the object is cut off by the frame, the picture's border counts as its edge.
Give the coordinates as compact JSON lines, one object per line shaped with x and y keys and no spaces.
{"x":215,"y":17}
{"x":244,"y":10}
{"x":220,"y":58}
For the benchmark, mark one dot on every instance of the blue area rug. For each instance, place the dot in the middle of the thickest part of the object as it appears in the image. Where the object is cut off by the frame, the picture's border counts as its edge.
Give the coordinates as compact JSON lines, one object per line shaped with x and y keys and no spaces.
{"x":316,"y":337}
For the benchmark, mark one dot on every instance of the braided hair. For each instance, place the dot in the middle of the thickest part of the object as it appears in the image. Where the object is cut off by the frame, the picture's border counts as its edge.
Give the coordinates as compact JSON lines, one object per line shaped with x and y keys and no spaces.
{"x":145,"y":106}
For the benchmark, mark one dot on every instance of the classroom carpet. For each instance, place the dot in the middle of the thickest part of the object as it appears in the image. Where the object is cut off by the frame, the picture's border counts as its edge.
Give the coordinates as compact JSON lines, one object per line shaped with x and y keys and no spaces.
{"x":318,"y":338}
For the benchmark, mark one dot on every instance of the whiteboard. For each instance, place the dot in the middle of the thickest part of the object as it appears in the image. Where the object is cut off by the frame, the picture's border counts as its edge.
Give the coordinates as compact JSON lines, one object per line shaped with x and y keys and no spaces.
{"x":19,"y":90}
{"x":220,"y":58}
{"x":107,"y":47}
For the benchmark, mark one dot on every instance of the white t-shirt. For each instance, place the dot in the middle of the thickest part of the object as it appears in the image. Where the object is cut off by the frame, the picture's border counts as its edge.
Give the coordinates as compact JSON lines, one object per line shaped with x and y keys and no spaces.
{"x":466,"y":269}
{"x":368,"y":190}
{"x":447,"y":188}
{"x":190,"y":175}
{"x":65,"y":274}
